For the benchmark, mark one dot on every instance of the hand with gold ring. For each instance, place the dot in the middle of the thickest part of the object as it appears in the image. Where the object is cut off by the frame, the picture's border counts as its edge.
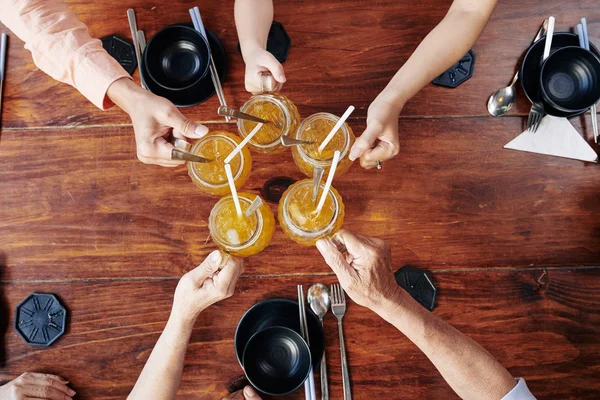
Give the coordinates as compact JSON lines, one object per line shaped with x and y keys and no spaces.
{"x":379,"y":142}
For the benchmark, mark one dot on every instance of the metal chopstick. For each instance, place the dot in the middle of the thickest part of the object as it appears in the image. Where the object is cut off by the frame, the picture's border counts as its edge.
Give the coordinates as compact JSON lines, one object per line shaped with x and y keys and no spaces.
{"x":136,"y":44}
{"x":3,"y":49}
{"x":583,"y":33}
{"x":141,"y":40}
{"x":199,"y":26}
{"x":309,"y":384}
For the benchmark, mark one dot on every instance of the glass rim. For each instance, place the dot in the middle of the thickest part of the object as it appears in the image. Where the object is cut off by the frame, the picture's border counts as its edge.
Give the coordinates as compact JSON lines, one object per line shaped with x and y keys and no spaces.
{"x":236,"y":174}
{"x":335,"y":119}
{"x":284,"y":111}
{"x":231,"y":247}
{"x":303,"y":232}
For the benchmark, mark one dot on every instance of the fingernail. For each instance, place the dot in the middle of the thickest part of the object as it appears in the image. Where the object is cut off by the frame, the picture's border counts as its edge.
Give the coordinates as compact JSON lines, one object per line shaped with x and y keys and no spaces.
{"x":248,"y":391}
{"x":215,"y":257}
{"x":322,"y":245}
{"x":72,"y":392}
{"x":201,"y":130}
{"x":282,"y":78}
{"x":354,"y":153}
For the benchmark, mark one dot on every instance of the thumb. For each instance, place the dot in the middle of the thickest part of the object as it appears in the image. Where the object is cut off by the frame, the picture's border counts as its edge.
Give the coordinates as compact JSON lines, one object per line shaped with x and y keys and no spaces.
{"x":364,"y":142}
{"x":188,"y":128}
{"x":250,"y":393}
{"x":274,"y":67}
{"x":209,"y":266}
{"x":335,"y":259}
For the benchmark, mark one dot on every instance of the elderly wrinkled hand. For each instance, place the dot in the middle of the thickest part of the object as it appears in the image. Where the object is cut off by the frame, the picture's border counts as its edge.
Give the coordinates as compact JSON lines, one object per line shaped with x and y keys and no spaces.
{"x":363,"y":267}
{"x":210,"y":282}
{"x":32,"y":385}
{"x":247,"y":394}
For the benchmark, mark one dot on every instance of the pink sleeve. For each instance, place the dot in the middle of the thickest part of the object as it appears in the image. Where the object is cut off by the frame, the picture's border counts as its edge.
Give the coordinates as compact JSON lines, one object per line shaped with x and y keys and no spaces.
{"x":62,"y":47}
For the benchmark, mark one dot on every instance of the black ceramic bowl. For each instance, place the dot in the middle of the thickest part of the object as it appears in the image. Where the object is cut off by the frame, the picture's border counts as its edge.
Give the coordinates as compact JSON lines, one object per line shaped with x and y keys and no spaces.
{"x":570,"y":79}
{"x":276,"y":361}
{"x":529,"y":73}
{"x":279,"y":312}
{"x":176,"y":58}
{"x":201,"y":91}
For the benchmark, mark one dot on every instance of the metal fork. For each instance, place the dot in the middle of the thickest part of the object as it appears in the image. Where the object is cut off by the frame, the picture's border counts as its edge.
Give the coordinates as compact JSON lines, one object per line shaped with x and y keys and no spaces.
{"x":535,"y":116}
{"x":338,"y":307}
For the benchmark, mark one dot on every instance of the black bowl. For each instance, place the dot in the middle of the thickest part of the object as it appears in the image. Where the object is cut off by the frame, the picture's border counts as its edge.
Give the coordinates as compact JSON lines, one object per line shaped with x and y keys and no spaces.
{"x":276,"y":361}
{"x":532,"y":65}
{"x":279,"y":312}
{"x":570,"y":79}
{"x":201,"y":91}
{"x":176,"y":58}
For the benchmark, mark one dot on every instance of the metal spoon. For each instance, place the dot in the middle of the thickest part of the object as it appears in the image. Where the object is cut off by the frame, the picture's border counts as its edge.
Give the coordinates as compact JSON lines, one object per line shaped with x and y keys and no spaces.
{"x":503,"y":100}
{"x":286,"y":141}
{"x":319,"y":300}
{"x":225,"y":111}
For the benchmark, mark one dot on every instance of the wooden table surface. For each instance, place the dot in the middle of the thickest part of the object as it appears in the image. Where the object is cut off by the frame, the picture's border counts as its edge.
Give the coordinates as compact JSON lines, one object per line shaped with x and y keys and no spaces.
{"x":512,"y":240}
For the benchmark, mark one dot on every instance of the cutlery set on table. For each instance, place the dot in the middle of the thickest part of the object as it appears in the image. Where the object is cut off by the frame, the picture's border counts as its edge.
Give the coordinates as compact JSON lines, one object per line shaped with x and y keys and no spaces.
{"x":280,"y":342}
{"x":560,"y":75}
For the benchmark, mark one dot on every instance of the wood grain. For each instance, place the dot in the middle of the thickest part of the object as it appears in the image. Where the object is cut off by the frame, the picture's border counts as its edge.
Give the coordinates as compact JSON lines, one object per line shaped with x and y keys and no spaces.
{"x":77,"y":204}
{"x":343,"y":52}
{"x":542,"y":326}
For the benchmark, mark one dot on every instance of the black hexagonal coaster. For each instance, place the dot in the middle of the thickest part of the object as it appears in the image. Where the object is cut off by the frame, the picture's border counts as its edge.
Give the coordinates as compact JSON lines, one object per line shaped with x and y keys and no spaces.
{"x":122,"y":51}
{"x":417,"y":283}
{"x":278,"y":42}
{"x":458,"y":73}
{"x":274,"y":188}
{"x":40,"y":319}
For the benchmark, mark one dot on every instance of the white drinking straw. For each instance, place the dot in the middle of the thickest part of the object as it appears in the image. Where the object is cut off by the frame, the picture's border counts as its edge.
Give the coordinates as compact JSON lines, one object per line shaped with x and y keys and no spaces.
{"x":336,"y":127}
{"x":234,"y":194}
{"x":243,"y":143}
{"x":334,"y":163}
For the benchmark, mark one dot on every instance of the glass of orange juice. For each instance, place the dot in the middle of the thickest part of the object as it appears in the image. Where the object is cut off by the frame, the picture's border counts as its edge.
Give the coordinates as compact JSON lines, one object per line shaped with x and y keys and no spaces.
{"x":211,"y":177}
{"x":315,"y":129}
{"x":298,"y":217}
{"x":241,"y":236}
{"x":272,"y":107}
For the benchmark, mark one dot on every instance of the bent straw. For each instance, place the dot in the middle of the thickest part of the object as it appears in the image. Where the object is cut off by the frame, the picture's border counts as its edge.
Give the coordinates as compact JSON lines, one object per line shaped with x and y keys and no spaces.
{"x":336,"y":127}
{"x":334,"y":163}
{"x":236,"y":199}
{"x":243,"y":143}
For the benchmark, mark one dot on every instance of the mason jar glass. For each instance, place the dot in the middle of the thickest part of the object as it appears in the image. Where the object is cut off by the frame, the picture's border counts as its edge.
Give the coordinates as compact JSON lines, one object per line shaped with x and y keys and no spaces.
{"x":241,"y":236}
{"x":315,"y":129}
{"x":272,"y":107}
{"x":211,"y":177}
{"x":298,"y":217}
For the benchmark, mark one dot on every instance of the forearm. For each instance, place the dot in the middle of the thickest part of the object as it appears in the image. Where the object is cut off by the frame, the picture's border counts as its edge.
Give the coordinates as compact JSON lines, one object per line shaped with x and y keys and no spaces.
{"x":161,"y":375}
{"x":62,"y":47}
{"x":450,"y":40}
{"x":468,"y":368}
{"x":253,"y":20}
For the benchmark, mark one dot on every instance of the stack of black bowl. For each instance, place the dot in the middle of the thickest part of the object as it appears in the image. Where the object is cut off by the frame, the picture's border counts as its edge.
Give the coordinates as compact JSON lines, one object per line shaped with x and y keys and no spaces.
{"x":568,"y":81}
{"x":271,"y":350}
{"x":175,"y":65}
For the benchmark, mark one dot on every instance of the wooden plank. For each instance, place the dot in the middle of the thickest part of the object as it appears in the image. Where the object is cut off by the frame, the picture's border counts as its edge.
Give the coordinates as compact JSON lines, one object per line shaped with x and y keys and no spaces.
{"x":77,"y":204}
{"x":346,"y":56}
{"x":542,"y":328}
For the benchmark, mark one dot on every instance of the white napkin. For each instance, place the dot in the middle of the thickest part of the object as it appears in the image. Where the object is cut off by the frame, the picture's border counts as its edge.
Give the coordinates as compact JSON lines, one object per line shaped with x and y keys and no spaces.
{"x":554,"y":137}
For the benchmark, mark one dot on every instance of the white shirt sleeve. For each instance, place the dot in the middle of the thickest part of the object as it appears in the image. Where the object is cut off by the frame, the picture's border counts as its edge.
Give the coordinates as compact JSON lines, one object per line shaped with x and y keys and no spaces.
{"x":519,"y":392}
